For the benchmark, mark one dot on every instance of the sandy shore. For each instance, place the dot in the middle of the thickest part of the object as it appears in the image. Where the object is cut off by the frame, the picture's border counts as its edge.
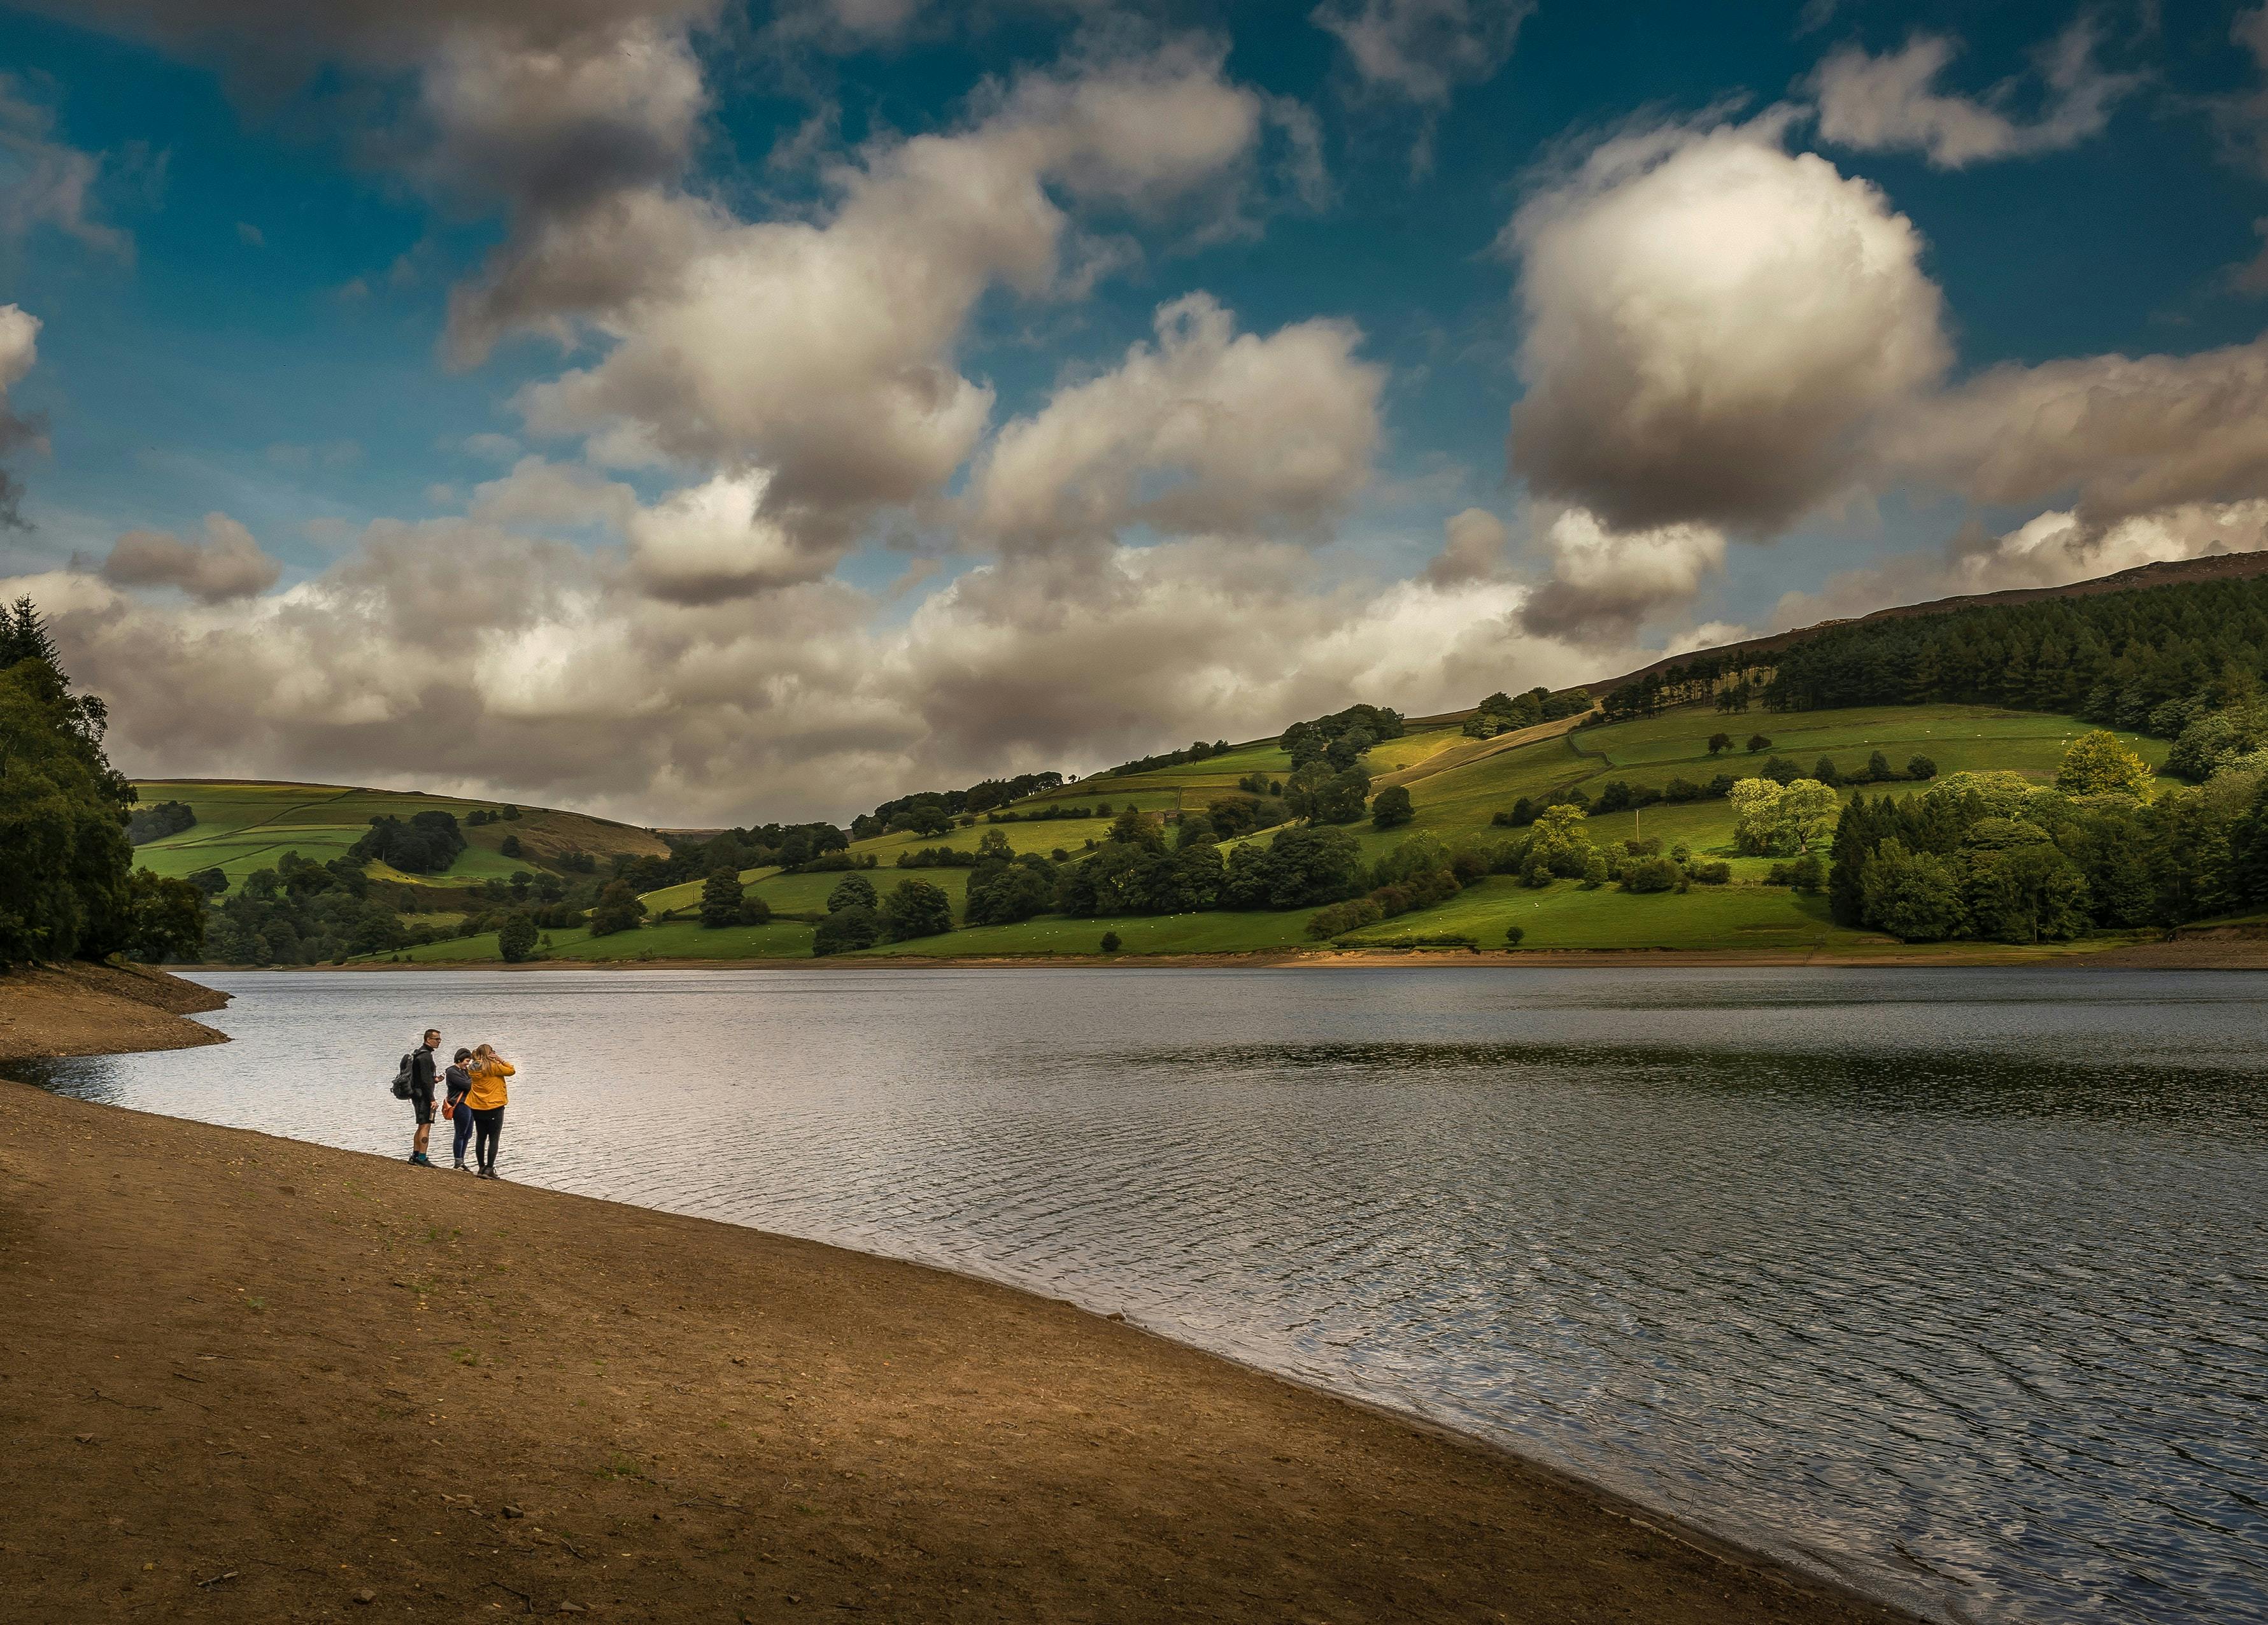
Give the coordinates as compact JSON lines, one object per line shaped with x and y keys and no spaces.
{"x":99,"y":1010}
{"x":249,"y":1379}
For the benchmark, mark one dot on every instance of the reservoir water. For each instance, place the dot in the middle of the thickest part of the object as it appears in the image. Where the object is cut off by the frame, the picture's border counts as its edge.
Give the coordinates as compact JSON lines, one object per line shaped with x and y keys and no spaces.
{"x":1953,"y":1285}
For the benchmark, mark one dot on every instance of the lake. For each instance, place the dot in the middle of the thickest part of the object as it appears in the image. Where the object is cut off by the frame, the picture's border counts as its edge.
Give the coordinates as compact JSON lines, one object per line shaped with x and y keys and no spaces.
{"x":1951,"y":1283}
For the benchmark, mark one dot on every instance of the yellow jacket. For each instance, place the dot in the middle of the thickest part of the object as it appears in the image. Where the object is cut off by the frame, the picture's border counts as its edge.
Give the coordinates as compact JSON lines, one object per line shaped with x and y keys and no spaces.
{"x":487,"y":1084}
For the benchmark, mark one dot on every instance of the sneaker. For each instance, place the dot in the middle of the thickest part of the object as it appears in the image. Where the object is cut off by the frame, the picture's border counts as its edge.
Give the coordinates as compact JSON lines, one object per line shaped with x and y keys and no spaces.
{"x":462,"y":1166}
{"x":420,"y":1159}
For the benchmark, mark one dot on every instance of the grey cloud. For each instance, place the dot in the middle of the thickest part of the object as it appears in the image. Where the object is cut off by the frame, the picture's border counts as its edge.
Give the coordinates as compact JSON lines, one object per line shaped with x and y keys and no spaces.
{"x":1889,"y":103}
{"x":1714,"y":328}
{"x":1472,"y":549}
{"x":2243,"y":117}
{"x":227,"y":564}
{"x":1421,"y":50}
{"x":451,"y":653}
{"x":1608,"y":583}
{"x":2128,"y":435}
{"x":44,"y":182}
{"x":20,"y":351}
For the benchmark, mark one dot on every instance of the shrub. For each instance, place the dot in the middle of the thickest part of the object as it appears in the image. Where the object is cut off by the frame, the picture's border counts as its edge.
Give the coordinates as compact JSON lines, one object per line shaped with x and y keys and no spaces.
{"x":1515,"y":935}
{"x":1340,"y":918}
{"x":1710,"y":874}
{"x":845,"y":931}
{"x":517,"y":939}
{"x":1653,"y":874}
{"x":1921,"y":768}
{"x":1111,"y":943}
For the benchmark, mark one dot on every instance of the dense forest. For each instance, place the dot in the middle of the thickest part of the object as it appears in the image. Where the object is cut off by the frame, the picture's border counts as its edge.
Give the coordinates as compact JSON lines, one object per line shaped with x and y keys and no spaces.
{"x":2156,"y":661}
{"x":70,"y":889}
{"x":1992,"y":856}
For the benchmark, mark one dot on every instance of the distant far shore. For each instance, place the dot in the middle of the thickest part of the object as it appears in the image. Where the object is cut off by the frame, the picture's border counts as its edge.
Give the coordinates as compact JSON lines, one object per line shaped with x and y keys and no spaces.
{"x":263,"y":1380}
{"x":2205,"y":949}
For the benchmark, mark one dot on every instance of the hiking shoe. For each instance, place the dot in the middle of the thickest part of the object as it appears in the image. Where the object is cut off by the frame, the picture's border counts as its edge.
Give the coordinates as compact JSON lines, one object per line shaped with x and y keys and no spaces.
{"x":420,"y":1159}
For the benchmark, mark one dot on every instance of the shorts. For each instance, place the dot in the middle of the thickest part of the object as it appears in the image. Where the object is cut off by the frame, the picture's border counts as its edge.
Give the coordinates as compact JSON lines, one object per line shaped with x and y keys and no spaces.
{"x":421,"y":1101}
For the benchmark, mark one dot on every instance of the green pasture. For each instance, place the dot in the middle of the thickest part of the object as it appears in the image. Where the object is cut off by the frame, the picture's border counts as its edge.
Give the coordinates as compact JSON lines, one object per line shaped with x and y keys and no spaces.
{"x":679,"y":939}
{"x":1457,"y":804}
{"x":243,"y":827}
{"x":1210,"y":932}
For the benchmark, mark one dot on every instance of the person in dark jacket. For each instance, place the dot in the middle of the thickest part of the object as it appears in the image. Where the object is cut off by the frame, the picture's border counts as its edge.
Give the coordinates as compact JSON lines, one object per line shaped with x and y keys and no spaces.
{"x":459,"y":1081}
{"x":421,"y":1095}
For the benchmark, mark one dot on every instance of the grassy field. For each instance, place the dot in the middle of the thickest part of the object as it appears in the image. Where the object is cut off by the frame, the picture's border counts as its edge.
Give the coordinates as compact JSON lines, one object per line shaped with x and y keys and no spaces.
{"x":1457,"y":788}
{"x":244,"y":827}
{"x":678,"y":939}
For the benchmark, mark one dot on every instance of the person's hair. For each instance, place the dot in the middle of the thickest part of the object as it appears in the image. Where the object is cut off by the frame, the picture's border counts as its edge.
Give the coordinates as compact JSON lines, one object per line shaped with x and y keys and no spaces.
{"x":487,"y":1052}
{"x":432,"y":1031}
{"x":462,"y":1057}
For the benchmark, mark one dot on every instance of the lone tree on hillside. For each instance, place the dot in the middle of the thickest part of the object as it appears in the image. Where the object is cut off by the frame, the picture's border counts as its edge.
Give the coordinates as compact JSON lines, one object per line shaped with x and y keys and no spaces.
{"x":720,"y":899}
{"x":2097,"y":764}
{"x":1720,"y":742}
{"x":1392,"y":809}
{"x":916,"y":908}
{"x":1759,"y":742}
{"x":852,"y":891}
{"x":516,"y":940}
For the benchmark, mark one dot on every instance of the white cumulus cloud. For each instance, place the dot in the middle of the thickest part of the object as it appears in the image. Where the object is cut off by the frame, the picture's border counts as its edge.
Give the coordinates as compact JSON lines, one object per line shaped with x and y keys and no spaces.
{"x":1714,"y":327}
{"x":1206,"y":430}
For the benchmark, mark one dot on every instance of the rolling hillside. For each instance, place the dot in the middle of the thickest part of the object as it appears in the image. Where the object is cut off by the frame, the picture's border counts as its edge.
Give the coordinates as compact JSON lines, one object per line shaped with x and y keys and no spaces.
{"x":1457,"y":784}
{"x":246,"y":826}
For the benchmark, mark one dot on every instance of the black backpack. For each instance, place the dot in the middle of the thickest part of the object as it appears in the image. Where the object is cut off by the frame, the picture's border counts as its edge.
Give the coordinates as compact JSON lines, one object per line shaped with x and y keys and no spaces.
{"x":402,"y":1078}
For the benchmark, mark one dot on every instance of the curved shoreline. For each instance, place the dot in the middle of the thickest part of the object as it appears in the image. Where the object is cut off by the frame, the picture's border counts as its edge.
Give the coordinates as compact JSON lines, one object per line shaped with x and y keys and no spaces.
{"x":887,"y":1434}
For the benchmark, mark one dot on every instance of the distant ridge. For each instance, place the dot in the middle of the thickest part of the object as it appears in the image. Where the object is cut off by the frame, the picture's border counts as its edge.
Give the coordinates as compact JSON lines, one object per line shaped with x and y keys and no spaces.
{"x":2174,"y":572}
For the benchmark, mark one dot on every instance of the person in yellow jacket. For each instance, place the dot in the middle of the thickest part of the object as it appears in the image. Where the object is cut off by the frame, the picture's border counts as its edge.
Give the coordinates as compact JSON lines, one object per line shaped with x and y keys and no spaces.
{"x":485,"y":1101}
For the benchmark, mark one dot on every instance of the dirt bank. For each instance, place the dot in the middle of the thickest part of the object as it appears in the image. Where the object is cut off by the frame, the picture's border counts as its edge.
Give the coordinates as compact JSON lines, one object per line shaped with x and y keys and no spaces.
{"x":247,"y":1378}
{"x":95,"y":1010}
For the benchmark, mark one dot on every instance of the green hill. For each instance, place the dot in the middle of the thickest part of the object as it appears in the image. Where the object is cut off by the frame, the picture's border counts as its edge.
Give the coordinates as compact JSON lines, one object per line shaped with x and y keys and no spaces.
{"x":242,"y":826}
{"x":1457,"y":785}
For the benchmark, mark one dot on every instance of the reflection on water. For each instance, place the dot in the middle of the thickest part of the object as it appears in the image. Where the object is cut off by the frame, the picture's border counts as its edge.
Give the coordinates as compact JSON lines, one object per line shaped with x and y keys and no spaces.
{"x":1949,"y":1282}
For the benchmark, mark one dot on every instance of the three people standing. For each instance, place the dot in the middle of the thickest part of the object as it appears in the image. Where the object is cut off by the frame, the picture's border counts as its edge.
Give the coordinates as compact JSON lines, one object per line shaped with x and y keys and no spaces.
{"x":475,"y":1102}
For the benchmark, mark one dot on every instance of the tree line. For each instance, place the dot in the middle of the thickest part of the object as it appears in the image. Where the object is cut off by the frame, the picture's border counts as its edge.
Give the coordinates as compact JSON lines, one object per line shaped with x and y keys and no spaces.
{"x":2157,"y":661}
{"x":1990,"y":857}
{"x":69,"y":888}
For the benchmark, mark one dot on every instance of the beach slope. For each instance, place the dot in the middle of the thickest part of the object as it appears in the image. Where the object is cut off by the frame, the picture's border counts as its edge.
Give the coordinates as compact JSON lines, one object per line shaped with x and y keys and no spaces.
{"x":248,"y":1378}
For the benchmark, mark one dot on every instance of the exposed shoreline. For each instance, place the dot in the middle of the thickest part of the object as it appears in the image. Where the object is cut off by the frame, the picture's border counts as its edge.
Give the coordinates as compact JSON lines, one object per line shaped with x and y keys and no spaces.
{"x":317,"y":1373}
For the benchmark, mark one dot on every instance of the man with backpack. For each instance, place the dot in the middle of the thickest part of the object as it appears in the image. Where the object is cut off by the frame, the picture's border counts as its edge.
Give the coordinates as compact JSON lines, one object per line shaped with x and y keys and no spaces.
{"x":418,"y":1073}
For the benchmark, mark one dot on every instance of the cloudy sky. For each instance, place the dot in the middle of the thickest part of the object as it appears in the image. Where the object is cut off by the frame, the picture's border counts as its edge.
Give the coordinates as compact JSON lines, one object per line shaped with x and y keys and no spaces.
{"x":701,"y":412}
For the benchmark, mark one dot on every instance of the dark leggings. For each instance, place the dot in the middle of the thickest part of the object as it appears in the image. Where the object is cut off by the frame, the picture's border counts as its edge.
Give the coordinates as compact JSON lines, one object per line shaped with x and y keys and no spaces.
{"x":461,"y":1125}
{"x":488,"y":1128}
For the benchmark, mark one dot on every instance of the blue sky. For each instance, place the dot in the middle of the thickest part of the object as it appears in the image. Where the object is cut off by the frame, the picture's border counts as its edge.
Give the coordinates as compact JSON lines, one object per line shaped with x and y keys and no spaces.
{"x":241,"y":237}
